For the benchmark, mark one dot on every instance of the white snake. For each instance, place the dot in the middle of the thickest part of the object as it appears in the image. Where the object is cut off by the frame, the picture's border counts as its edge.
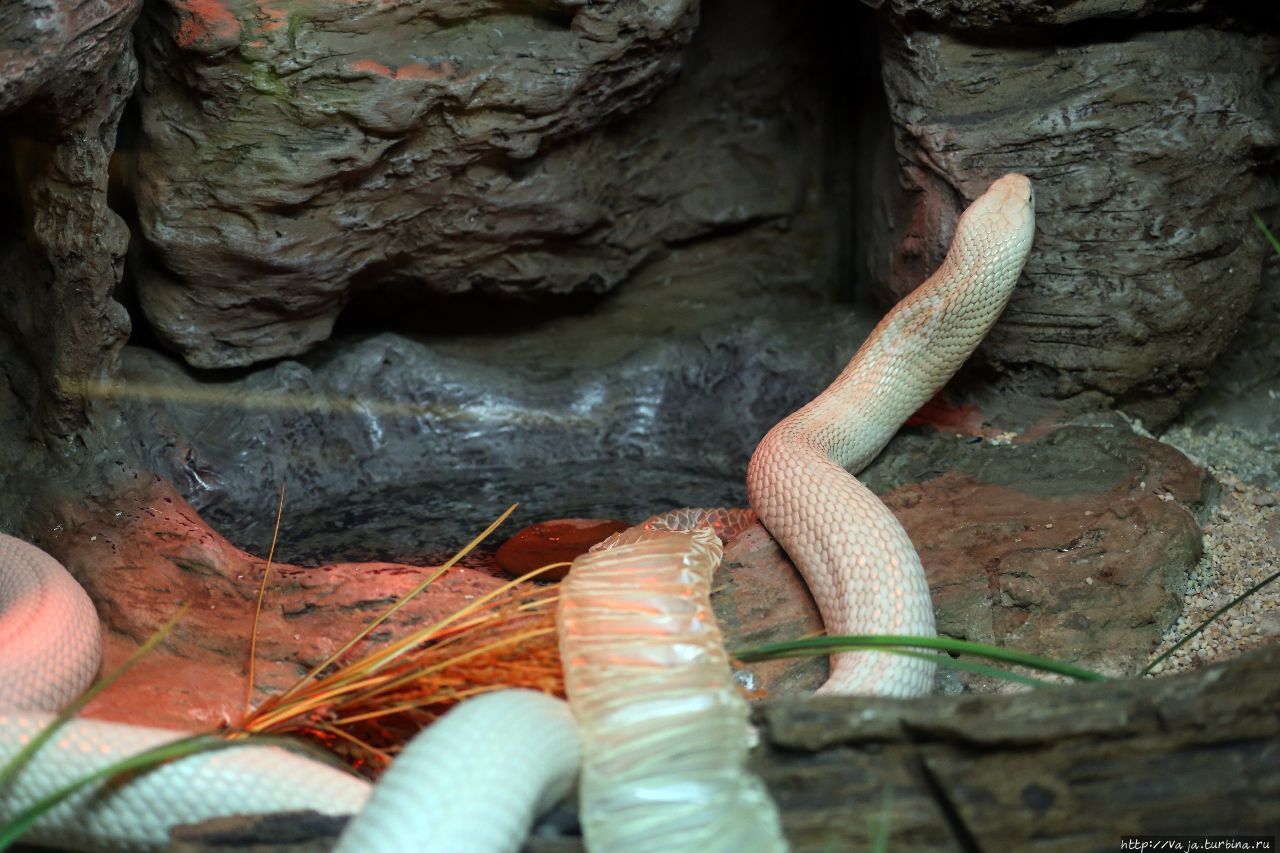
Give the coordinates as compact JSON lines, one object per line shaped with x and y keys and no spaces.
{"x":500,"y":757}
{"x":855,"y":557}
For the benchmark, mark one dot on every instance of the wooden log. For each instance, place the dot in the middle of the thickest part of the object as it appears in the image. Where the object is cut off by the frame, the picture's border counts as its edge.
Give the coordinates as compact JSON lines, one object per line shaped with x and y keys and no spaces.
{"x":1066,"y":768}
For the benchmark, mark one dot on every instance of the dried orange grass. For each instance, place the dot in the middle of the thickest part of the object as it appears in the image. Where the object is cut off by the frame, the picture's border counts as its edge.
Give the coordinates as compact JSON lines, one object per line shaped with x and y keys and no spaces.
{"x":364,"y":710}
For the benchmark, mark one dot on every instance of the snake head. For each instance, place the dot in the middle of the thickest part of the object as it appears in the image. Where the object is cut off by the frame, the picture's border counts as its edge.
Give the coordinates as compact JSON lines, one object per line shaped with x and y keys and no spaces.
{"x":1008,"y":207}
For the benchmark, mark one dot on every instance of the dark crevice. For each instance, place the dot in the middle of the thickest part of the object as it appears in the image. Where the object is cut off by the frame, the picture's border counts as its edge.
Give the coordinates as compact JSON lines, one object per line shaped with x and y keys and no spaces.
{"x":964,"y":837}
{"x":988,"y":30}
{"x":413,"y":311}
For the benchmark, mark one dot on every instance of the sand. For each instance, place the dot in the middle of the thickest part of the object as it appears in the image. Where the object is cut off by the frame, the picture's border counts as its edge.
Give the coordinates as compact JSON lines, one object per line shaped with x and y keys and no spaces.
{"x":1242,"y":548}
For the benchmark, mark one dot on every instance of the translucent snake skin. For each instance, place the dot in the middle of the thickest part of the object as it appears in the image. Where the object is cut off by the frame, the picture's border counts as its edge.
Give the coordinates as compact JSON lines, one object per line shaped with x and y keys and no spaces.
{"x":855,"y":557}
{"x":664,"y":727}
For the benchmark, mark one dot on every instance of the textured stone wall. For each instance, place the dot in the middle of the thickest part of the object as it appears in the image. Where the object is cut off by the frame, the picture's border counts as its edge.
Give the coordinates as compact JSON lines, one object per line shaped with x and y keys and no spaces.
{"x":289,"y":160}
{"x":66,"y":72}
{"x":1150,"y":141}
{"x":284,"y":162}
{"x":720,"y":191}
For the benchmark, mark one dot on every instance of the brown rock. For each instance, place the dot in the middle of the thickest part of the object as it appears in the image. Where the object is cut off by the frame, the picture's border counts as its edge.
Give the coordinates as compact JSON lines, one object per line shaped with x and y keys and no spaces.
{"x":1141,"y":270}
{"x":1058,"y":769}
{"x":559,"y":540}
{"x":285,"y":167}
{"x":47,"y":47}
{"x":66,"y":71}
{"x":143,"y":553}
{"x":1073,"y":546}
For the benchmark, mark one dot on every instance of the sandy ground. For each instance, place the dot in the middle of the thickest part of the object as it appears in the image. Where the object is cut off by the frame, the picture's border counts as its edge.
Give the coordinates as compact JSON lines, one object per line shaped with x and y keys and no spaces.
{"x":1242,"y":548}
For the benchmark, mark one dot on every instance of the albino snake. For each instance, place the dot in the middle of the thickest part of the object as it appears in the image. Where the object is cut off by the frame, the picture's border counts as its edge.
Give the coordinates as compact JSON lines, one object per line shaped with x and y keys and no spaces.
{"x":502,"y":756}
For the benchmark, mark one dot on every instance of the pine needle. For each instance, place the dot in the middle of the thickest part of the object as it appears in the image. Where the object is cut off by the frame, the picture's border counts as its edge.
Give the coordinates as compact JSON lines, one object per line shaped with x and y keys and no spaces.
{"x":390,"y":611}
{"x":366,"y":708}
{"x":257,"y":611}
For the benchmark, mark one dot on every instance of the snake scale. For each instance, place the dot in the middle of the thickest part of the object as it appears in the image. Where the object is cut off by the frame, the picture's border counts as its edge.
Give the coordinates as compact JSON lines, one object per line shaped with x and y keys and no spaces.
{"x":502,"y":757}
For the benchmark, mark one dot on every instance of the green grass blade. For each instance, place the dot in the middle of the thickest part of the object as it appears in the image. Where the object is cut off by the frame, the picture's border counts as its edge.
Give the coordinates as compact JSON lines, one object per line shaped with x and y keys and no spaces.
{"x":976,"y":668}
{"x":1271,"y":238}
{"x":878,"y":642}
{"x":1146,"y":670}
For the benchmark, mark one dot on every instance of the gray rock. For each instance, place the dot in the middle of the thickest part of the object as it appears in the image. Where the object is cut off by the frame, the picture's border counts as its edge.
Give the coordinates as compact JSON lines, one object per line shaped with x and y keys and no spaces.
{"x":1234,"y":423}
{"x":1147,"y":148}
{"x":388,"y":443}
{"x":988,"y":14}
{"x":66,"y":71}
{"x":289,"y":832}
{"x":287,"y":167}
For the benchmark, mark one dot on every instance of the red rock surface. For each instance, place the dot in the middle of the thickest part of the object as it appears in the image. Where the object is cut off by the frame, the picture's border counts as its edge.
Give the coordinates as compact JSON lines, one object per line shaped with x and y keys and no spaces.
{"x":558,"y":540}
{"x":148,"y":552}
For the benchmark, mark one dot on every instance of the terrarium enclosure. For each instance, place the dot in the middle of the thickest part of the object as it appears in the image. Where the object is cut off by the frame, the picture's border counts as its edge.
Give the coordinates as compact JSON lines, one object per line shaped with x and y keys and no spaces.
{"x":417,"y":261}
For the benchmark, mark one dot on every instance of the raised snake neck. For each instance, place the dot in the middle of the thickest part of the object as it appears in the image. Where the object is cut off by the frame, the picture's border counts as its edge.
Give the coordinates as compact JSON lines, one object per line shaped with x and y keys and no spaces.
{"x":855,"y":557}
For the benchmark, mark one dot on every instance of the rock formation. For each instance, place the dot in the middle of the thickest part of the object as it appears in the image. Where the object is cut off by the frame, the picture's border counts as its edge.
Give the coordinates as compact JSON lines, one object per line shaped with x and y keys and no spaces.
{"x":66,"y":72}
{"x":1150,"y":140}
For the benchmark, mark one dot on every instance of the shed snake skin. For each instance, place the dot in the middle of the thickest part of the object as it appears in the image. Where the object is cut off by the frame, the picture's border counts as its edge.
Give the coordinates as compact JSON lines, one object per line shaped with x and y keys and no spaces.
{"x":855,"y":557}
